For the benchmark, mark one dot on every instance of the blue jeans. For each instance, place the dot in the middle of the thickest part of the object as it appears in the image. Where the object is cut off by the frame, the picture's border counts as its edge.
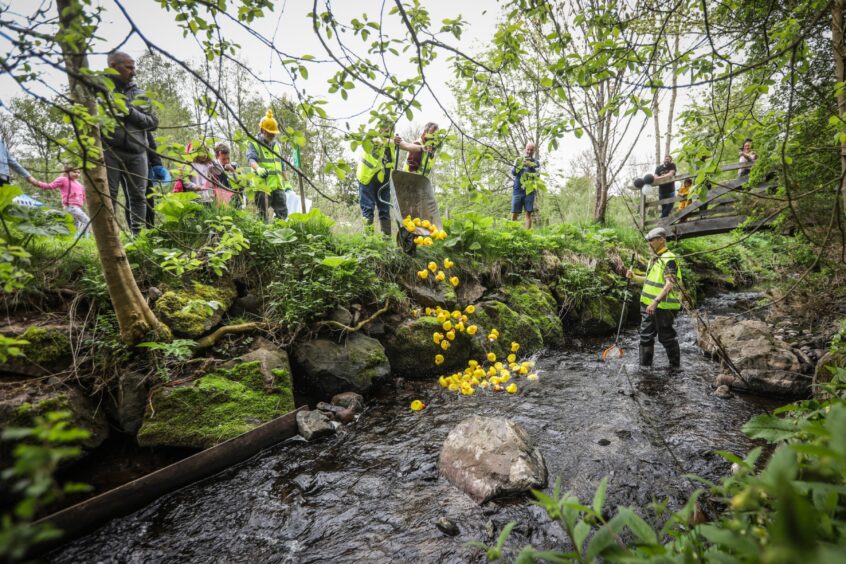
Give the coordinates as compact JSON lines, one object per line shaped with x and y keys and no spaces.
{"x":520,"y":200}
{"x":368,"y":200}
{"x":668,"y":192}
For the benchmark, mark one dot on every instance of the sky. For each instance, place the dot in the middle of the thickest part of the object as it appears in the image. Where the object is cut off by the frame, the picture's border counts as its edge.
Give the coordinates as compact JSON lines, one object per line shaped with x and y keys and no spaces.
{"x":291,"y":32}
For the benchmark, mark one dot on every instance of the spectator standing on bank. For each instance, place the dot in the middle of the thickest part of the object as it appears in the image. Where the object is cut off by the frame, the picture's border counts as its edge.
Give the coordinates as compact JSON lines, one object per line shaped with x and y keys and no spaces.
{"x":264,"y":158}
{"x":227,"y":188}
{"x":157,"y":176}
{"x":9,"y":164}
{"x":525,"y":170}
{"x":666,"y":171}
{"x":73,"y":196}
{"x":125,"y":149}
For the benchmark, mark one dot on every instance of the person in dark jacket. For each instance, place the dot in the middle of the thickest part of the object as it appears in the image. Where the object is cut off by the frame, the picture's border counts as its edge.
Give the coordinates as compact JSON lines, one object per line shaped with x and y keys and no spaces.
{"x":125,"y":149}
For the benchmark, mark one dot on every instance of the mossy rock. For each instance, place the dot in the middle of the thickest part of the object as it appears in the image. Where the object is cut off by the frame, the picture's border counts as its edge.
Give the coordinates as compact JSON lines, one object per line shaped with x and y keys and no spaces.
{"x":193,"y":313}
{"x":327,"y":367}
{"x":537,"y":302}
{"x":428,"y":294}
{"x":412,"y":350}
{"x":216,"y":407}
{"x":512,"y":326}
{"x":22,"y":402}
{"x":48,"y":350}
{"x":596,"y":317}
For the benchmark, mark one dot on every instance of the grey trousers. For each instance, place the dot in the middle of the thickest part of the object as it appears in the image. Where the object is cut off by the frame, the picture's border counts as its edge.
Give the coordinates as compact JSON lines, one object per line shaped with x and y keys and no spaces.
{"x":132,"y":170}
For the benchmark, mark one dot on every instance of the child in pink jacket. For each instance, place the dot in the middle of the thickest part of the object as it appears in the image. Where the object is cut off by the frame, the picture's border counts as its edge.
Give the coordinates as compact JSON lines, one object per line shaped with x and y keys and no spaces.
{"x":73,"y":196}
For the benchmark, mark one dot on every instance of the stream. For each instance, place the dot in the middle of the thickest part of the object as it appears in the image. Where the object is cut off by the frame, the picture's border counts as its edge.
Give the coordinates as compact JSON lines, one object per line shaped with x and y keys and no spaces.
{"x":372,"y":493}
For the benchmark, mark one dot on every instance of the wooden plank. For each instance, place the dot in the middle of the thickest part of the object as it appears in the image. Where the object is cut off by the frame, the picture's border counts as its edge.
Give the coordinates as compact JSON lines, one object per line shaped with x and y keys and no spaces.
{"x":89,"y":515}
{"x":712,"y":226}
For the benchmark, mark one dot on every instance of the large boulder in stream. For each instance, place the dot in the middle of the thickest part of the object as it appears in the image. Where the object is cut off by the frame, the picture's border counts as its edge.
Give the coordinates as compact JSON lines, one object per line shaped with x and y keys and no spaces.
{"x":194,"y":312}
{"x":412,"y":350}
{"x":219,"y":405}
{"x":490,"y":457}
{"x":512,"y":326}
{"x":537,"y":302}
{"x":768,"y":364}
{"x":328,"y":367}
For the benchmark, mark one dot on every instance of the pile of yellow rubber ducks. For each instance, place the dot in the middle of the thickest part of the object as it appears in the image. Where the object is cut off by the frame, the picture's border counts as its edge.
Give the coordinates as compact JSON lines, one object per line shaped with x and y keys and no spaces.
{"x":418,"y":225}
{"x":491,"y":374}
{"x":438,"y":276}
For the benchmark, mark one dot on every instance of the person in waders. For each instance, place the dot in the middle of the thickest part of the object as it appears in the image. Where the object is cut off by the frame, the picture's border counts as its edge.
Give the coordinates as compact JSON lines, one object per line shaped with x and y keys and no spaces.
{"x":660,"y":301}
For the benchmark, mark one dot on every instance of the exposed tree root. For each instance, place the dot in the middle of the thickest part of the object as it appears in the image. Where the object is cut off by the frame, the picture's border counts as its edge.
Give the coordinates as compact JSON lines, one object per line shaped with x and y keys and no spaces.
{"x":212,"y":339}
{"x":358,"y":326}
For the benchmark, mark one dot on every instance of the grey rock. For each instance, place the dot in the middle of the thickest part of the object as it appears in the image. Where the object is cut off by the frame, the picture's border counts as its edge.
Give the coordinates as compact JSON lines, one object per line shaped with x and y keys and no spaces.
{"x":490,"y":530}
{"x":724,"y":380}
{"x":447,"y":527}
{"x":350,"y":400}
{"x":723,"y":392}
{"x":248,"y":305}
{"x":490,"y":457}
{"x":270,"y":358}
{"x":430,"y":296}
{"x":126,"y":405}
{"x":341,"y":315}
{"x":328,"y":367}
{"x":314,"y":424}
{"x":766,"y":363}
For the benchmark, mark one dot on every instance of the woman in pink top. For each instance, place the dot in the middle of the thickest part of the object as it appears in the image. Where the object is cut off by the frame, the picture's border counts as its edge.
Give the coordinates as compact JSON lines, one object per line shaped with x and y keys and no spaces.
{"x":73,"y":195}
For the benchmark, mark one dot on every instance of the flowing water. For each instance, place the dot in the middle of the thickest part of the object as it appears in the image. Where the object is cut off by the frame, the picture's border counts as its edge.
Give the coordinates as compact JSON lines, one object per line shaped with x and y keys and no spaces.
{"x":372,"y":493}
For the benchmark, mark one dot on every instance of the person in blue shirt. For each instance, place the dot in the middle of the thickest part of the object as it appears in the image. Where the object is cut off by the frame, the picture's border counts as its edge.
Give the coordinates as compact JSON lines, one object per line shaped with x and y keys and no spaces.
{"x":523,"y":197}
{"x":8,"y":164}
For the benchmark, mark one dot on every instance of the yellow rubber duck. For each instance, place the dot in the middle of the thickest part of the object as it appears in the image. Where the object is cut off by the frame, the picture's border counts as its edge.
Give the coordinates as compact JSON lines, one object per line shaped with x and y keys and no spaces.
{"x":451,"y":335}
{"x":470,"y":310}
{"x":448,"y":263}
{"x":512,"y":358}
{"x":512,"y":388}
{"x":491,"y":357}
{"x":417,"y":405}
{"x":454,"y":281}
{"x":440,"y":276}
{"x":439,"y":359}
{"x":445,"y":344}
{"x":471,"y":330}
{"x":532,"y":377}
{"x":423,"y":274}
{"x":515,"y":346}
{"x":437,"y":337}
{"x":433,"y":266}
{"x":447,"y":325}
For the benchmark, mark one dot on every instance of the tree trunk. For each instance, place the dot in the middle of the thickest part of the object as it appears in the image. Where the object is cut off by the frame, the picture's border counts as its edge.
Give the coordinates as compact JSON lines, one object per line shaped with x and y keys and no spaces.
{"x":656,"y":116}
{"x":668,"y":138}
{"x":837,"y":8}
{"x":135,"y":318}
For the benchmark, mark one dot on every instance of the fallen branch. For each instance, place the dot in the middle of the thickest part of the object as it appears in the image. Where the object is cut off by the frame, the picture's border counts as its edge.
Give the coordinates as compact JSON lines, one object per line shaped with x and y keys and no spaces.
{"x":213,"y":338}
{"x":356,"y":327}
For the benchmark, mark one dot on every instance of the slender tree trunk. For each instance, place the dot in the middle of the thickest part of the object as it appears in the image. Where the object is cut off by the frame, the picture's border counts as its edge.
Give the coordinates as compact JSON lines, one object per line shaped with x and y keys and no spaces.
{"x":837,"y":8}
{"x":668,"y":138}
{"x":656,"y":115}
{"x":135,"y":318}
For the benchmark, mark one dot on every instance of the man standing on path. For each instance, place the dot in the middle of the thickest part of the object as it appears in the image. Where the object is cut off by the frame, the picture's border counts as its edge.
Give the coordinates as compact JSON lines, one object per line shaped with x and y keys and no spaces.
{"x":125,"y":149}
{"x":373,"y":173}
{"x":525,"y":170}
{"x":9,"y":164}
{"x":664,"y":171}
{"x":265,"y":160}
{"x":660,"y":301}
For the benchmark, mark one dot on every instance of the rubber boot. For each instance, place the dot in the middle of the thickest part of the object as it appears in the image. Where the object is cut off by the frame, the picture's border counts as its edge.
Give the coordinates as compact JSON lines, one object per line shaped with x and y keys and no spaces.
{"x":646,"y":354}
{"x":673,"y":355}
{"x":385,"y":225}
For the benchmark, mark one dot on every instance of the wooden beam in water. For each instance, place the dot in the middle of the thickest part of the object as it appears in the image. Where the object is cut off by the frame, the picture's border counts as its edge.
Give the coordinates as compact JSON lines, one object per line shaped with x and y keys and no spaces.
{"x":89,"y":515}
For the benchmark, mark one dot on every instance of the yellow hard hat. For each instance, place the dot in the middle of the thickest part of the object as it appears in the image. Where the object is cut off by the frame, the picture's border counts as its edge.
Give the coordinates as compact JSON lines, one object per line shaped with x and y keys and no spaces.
{"x":269,"y":124}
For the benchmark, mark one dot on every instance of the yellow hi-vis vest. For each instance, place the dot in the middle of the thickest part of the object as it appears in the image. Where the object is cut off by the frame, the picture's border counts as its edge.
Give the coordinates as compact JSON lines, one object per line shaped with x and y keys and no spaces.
{"x":372,"y":163}
{"x":270,"y":162}
{"x":425,"y":165}
{"x":654,"y":282}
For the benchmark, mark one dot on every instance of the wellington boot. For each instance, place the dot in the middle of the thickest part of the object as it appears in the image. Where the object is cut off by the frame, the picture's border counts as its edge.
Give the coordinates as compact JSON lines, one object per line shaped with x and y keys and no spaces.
{"x":673,"y":355}
{"x":385,"y":226}
{"x":646,"y":354}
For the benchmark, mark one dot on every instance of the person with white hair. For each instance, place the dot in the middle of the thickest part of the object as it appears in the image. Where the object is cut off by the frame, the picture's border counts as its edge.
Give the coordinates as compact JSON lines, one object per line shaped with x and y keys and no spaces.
{"x":660,"y":301}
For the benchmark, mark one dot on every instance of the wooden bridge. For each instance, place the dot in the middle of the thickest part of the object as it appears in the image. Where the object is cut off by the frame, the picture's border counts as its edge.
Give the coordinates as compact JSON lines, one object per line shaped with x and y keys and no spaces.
{"x":716,"y":213}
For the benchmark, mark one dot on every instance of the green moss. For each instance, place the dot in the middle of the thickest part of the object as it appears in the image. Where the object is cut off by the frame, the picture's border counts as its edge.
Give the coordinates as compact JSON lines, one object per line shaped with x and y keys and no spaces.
{"x":46,"y":346}
{"x":412,"y":351}
{"x":537,"y":302}
{"x":194,"y":312}
{"x":512,"y":326}
{"x":216,"y":407}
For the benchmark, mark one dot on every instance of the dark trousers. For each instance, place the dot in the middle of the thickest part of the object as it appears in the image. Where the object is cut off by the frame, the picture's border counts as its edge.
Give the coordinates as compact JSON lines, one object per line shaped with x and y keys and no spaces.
{"x":131,"y":170}
{"x":666,"y":191}
{"x":278,"y":202}
{"x":659,"y":324}
{"x":369,"y":200}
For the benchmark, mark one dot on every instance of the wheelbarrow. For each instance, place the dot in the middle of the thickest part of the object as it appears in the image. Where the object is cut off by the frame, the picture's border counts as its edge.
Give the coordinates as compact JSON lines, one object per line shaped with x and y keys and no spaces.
{"x":410,"y":194}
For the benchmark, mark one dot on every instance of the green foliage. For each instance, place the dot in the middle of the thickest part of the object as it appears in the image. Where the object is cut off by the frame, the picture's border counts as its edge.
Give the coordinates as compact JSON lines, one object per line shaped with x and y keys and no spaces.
{"x":790,"y":508}
{"x":37,"y":455}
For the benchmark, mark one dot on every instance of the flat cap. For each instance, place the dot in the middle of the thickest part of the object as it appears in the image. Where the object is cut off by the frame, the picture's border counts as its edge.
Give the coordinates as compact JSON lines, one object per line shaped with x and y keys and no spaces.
{"x":655,"y":233}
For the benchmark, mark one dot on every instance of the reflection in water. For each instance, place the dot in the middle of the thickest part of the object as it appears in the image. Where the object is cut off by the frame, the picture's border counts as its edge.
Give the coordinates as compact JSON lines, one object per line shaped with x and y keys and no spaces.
{"x":373,"y":494}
